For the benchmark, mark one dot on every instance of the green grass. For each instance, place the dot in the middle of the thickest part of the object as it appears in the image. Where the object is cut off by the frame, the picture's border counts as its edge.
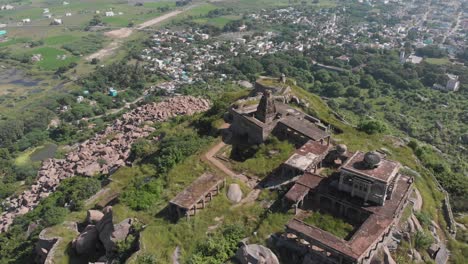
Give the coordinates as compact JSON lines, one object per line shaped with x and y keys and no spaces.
{"x":331,"y":224}
{"x":219,"y":22}
{"x":268,"y":157}
{"x":200,"y":10}
{"x":60,"y":39}
{"x":25,"y":157}
{"x":49,"y":60}
{"x":159,"y":4}
{"x":437,"y":61}
{"x":14,"y":41}
{"x":117,"y":21}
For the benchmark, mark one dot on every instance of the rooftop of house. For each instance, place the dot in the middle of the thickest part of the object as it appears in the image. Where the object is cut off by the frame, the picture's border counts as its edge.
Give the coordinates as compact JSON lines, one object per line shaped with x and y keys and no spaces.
{"x":308,"y":155}
{"x":197,"y":190}
{"x":384,"y":171}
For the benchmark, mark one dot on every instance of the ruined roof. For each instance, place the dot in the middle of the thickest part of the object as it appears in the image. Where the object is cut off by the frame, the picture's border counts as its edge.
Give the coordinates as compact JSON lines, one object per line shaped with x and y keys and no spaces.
{"x":305,"y":128}
{"x":197,"y":190}
{"x":385,"y":171}
{"x":302,"y":162}
{"x":303,"y":185}
{"x":380,"y":221}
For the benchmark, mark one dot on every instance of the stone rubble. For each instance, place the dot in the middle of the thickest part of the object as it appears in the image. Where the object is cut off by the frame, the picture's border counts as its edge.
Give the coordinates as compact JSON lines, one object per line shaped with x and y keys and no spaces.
{"x":102,"y":154}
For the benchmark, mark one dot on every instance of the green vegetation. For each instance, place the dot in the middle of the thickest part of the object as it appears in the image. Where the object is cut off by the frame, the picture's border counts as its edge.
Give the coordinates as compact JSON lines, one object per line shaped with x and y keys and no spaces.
{"x":85,"y":45}
{"x":267,"y":157}
{"x":219,"y":247}
{"x":422,"y":240}
{"x":331,"y":224}
{"x":16,"y":246}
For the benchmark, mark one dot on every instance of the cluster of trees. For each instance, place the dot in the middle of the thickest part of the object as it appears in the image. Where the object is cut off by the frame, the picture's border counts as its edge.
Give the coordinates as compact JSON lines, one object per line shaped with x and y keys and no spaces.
{"x":431,"y":51}
{"x":453,"y":181}
{"x":25,"y":130}
{"x":120,"y":75}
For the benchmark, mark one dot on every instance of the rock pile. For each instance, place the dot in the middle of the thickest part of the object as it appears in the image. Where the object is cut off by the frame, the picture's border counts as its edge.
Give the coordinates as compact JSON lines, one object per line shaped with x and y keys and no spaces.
{"x":103,"y":234}
{"x":102,"y":154}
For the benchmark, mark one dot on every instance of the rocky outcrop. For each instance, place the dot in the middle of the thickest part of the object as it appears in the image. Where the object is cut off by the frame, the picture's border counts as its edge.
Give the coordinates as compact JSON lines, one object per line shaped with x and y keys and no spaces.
{"x":93,"y":216}
{"x":46,"y":245}
{"x":234,"y":193}
{"x":102,"y":154}
{"x":43,"y":247}
{"x":86,"y":242}
{"x":256,"y":254}
{"x":104,"y":234}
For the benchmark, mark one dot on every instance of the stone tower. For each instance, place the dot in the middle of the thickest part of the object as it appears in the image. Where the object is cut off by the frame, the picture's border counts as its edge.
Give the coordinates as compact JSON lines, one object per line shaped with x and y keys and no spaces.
{"x":266,"y":110}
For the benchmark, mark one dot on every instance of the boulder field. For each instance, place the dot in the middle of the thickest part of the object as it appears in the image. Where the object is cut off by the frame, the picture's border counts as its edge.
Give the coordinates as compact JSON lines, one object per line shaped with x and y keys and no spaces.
{"x":102,"y":154}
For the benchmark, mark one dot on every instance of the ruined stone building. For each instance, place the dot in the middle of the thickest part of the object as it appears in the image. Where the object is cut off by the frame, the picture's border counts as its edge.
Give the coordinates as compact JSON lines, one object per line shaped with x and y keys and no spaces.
{"x":195,"y":197}
{"x":369,"y":176}
{"x":253,"y":121}
{"x":306,"y":159}
{"x":368,"y":192}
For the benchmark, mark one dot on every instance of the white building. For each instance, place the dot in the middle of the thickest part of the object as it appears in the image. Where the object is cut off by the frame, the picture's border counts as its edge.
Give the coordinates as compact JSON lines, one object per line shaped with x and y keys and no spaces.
{"x":110,"y":14}
{"x":7,"y":7}
{"x":453,"y":84}
{"x":57,"y":21}
{"x":68,"y":14}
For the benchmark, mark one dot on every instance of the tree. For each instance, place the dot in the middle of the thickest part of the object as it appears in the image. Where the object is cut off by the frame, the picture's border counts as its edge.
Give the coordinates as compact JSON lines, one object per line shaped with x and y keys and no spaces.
{"x":372,"y":126}
{"x":367,"y":81}
{"x":333,"y":89}
{"x":54,"y":215}
{"x":353,"y":91}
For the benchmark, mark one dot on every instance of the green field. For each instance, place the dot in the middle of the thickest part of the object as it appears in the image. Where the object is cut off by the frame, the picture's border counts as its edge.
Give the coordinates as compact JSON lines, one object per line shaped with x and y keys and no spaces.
{"x":60,"y":39}
{"x":216,"y":21}
{"x":50,"y":61}
{"x":437,"y":61}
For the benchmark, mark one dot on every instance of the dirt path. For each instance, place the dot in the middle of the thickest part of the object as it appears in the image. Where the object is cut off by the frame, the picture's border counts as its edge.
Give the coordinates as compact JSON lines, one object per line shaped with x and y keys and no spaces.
{"x":160,"y":19}
{"x":119,"y":35}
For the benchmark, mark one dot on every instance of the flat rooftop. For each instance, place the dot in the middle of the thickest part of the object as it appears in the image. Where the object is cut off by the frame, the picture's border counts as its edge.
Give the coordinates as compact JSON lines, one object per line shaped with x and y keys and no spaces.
{"x":303,"y":185}
{"x":304,"y":127}
{"x":197,"y":190}
{"x":308,"y":155}
{"x":380,"y":220}
{"x":385,"y":171}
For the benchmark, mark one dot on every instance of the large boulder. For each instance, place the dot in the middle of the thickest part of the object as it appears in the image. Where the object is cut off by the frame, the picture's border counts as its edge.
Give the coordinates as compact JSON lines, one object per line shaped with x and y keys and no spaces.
{"x":86,"y":242}
{"x":234,"y":193}
{"x":93,"y":216}
{"x":105,"y":228}
{"x":256,"y":254}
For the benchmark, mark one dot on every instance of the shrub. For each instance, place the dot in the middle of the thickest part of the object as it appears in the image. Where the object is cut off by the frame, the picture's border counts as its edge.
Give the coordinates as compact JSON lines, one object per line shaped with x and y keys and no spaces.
{"x":422,"y":240}
{"x":372,"y":126}
{"x":219,"y":247}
